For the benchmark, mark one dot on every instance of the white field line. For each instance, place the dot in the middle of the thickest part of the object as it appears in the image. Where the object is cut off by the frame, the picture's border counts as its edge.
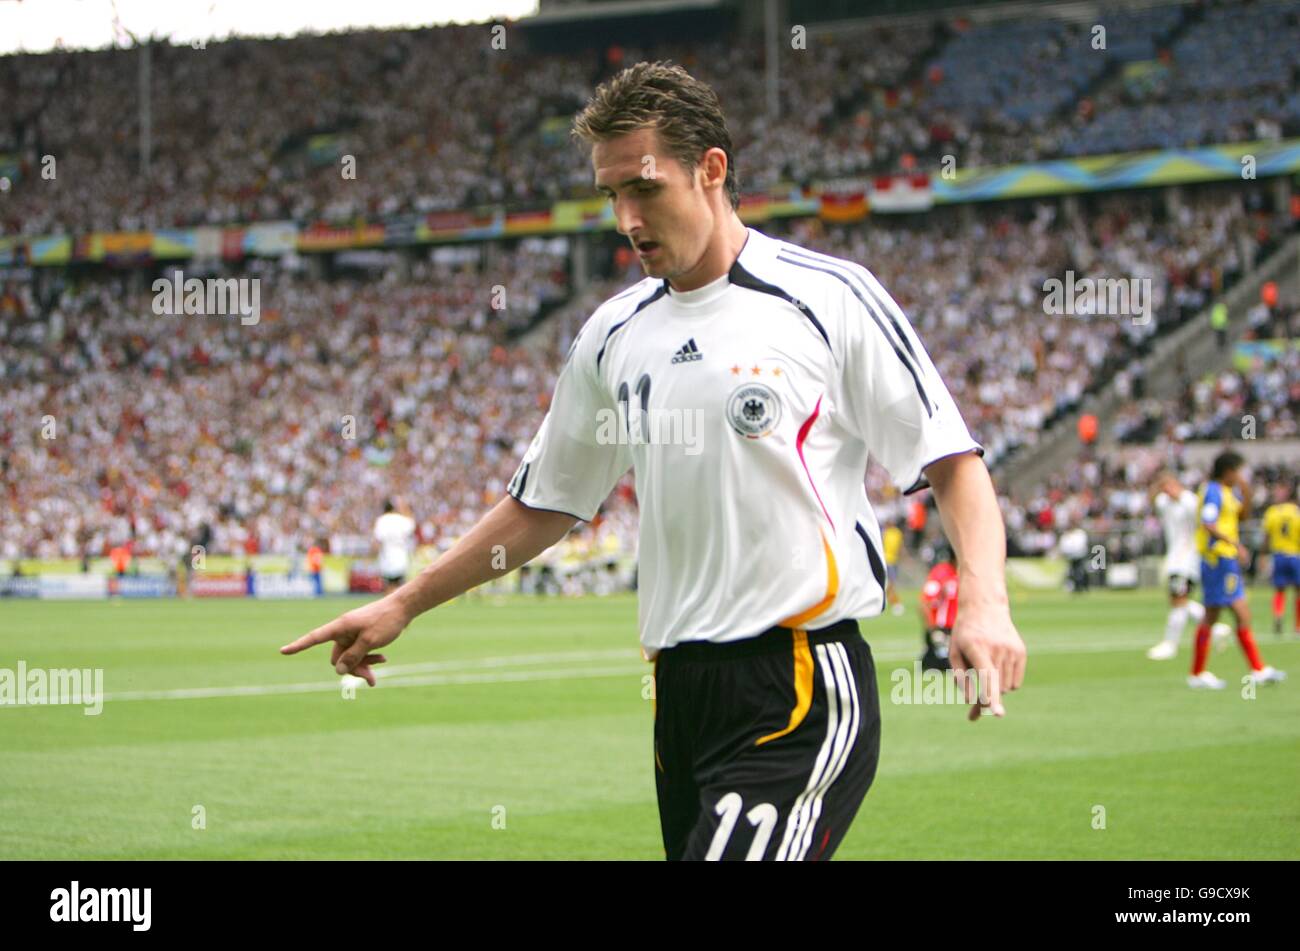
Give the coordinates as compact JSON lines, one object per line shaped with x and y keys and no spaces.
{"x":513,"y":660}
{"x":430,"y":680}
{"x":401,"y":676}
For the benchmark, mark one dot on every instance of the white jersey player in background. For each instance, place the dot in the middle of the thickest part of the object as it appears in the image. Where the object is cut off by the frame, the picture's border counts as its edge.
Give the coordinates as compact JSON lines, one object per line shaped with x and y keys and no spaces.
{"x":395,"y":535}
{"x":1177,"y":508}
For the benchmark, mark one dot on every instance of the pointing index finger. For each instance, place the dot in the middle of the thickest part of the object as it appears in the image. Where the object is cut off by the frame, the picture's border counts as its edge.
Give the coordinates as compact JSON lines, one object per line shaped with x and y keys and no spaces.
{"x":326,"y":632}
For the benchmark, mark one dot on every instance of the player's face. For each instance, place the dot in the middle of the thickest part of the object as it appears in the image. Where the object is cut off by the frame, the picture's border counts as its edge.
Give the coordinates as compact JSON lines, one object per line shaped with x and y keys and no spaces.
{"x":658,"y":204}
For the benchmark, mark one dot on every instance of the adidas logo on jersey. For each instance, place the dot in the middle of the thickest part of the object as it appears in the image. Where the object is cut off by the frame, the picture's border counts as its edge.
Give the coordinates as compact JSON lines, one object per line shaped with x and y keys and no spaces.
{"x":688,"y":352}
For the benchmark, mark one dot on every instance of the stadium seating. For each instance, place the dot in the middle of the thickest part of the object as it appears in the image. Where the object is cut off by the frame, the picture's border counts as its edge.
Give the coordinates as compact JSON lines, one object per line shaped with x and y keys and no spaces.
{"x":250,"y":130}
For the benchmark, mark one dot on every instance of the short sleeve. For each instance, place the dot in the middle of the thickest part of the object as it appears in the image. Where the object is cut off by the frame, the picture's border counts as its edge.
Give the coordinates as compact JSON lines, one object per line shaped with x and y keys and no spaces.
{"x":892,"y":396}
{"x":1210,"y":507}
{"x":568,"y":466}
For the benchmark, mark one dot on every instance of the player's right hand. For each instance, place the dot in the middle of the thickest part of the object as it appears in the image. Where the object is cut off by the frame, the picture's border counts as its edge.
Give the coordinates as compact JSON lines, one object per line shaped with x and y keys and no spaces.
{"x":1243,"y":555}
{"x":356,"y":635}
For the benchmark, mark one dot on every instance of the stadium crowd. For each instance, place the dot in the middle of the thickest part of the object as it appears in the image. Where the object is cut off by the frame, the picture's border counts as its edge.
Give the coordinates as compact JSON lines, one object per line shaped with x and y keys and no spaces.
{"x":353,"y":387}
{"x":250,"y":130}
{"x":1264,"y":402}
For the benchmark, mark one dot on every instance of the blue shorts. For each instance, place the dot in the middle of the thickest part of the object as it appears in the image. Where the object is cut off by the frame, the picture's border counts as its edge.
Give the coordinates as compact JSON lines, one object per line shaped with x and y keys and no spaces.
{"x":1222,"y":582}
{"x":1286,"y":570}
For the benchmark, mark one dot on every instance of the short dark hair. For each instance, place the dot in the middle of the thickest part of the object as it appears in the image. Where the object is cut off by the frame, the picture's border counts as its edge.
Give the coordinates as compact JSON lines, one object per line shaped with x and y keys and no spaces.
{"x":388,"y":506}
{"x":665,"y":97}
{"x":1224,"y":463}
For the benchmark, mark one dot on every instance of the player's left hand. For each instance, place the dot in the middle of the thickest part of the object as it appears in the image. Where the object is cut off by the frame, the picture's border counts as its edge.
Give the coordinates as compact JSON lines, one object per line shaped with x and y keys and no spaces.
{"x":986,"y":643}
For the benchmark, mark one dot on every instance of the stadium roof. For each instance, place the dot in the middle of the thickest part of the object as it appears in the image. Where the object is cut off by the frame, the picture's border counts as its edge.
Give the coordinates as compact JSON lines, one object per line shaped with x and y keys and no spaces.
{"x":99,"y":24}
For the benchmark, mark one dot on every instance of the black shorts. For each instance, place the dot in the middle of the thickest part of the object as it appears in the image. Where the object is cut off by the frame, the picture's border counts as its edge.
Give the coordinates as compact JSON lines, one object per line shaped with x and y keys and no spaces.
{"x":765,"y":747}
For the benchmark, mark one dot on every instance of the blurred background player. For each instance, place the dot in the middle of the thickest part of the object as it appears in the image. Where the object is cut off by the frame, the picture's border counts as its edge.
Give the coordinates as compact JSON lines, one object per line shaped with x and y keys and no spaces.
{"x":395,"y":533}
{"x":939,"y":609}
{"x":120,"y":556}
{"x":1282,"y":531}
{"x":1176,"y":506}
{"x":1216,"y":540}
{"x":1074,"y":548}
{"x":892,"y":541}
{"x":315,"y":557}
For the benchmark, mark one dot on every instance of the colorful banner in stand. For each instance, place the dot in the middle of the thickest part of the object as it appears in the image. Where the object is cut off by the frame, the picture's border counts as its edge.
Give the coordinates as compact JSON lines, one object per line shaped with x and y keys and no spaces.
{"x":835,"y":202}
{"x":1130,"y":170}
{"x":1250,"y":356}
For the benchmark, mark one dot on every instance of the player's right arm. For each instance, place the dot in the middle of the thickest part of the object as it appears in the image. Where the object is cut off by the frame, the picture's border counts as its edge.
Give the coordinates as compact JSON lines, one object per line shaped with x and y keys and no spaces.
{"x":565,"y":475}
{"x":510,"y":535}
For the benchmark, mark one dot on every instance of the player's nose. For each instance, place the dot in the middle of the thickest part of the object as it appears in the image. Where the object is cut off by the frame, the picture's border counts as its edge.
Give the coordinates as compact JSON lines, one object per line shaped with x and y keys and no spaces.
{"x":629,"y":222}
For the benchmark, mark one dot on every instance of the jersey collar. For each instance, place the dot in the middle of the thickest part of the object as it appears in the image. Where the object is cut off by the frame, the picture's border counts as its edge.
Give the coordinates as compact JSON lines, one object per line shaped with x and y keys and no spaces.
{"x":701,"y":295}
{"x":757,"y":248}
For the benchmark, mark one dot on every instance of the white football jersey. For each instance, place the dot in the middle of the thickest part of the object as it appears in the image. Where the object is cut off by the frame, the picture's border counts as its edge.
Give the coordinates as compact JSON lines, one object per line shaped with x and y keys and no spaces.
{"x":749,"y":408}
{"x":396,"y":535}
{"x":1178,"y":519}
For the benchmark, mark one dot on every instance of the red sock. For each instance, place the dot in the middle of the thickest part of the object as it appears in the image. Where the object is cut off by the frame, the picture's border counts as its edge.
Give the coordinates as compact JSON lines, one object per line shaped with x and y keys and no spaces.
{"x":1297,"y":610}
{"x":1202,"y":649}
{"x":1279,"y":603}
{"x":1247,"y":641}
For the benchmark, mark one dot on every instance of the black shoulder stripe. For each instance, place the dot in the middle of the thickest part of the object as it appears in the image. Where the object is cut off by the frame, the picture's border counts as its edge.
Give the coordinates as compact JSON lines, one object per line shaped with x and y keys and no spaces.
{"x":923,"y":483}
{"x":742,"y":278}
{"x":874,"y":559}
{"x":840,"y":266}
{"x":660,"y":292}
{"x":516,"y":486}
{"x":916,"y":378}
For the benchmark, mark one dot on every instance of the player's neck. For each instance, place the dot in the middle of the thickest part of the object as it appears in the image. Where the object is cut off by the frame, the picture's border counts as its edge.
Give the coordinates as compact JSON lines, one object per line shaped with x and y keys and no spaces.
{"x":721,"y":254}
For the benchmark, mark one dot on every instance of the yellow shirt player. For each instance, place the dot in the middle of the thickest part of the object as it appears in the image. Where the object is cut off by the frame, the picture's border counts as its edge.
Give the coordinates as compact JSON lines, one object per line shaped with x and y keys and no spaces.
{"x":891,"y":539}
{"x":1282,"y":528}
{"x":1221,"y":509}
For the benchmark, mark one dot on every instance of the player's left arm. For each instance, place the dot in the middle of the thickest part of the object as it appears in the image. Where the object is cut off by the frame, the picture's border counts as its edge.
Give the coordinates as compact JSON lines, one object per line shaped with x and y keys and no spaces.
{"x":894,"y":399}
{"x":984,"y":638}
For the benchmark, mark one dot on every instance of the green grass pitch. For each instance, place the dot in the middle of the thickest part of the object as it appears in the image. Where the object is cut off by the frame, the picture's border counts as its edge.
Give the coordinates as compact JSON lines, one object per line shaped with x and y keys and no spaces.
{"x":517,"y":728}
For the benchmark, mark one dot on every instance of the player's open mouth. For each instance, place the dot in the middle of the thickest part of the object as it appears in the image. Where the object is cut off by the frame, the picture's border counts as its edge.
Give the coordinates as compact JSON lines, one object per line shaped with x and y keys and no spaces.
{"x":647,"y":248}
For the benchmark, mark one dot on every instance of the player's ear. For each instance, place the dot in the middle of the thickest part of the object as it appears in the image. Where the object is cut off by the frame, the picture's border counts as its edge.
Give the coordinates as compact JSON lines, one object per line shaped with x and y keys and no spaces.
{"x":714,"y":165}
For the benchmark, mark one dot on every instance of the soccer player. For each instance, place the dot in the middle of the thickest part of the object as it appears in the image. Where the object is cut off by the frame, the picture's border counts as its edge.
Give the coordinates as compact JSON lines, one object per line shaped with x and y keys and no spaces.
{"x":892,"y":539}
{"x":1073,"y":546}
{"x":1282,"y":528}
{"x":395,"y":534}
{"x":315,"y":558}
{"x":1176,"y":506}
{"x":939,"y":609}
{"x":1216,"y":540}
{"x":758,"y":546}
